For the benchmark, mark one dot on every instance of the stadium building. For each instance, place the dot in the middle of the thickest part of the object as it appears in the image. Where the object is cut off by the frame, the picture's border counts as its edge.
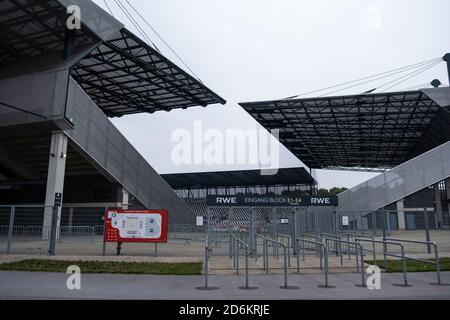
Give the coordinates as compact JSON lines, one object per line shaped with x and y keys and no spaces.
{"x":58,"y":87}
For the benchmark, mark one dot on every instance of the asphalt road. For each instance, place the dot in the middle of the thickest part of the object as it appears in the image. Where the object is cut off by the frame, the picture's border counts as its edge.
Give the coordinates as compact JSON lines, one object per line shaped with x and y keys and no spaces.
{"x":36,"y":285}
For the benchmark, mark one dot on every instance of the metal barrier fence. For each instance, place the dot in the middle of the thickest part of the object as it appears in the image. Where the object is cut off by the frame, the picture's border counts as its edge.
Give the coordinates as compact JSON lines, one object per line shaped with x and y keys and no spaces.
{"x":235,"y":246}
{"x":323,"y":255}
{"x":428,"y":244}
{"x":285,"y":255}
{"x":208,"y":251}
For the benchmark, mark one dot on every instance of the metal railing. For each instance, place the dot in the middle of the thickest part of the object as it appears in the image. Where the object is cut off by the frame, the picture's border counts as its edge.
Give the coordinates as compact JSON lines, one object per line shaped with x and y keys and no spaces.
{"x":285,"y":254}
{"x":386,"y":254}
{"x":358,"y":254}
{"x":436,"y":261}
{"x":208,"y":251}
{"x":238,"y":244}
{"x":281,"y":238}
{"x":302,"y":242}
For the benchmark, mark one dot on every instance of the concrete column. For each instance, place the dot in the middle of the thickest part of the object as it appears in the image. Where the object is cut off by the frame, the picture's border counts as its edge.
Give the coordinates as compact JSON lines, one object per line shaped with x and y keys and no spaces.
{"x":55,"y":176}
{"x":401,"y":215}
{"x":438,"y":204}
{"x":125,"y":198}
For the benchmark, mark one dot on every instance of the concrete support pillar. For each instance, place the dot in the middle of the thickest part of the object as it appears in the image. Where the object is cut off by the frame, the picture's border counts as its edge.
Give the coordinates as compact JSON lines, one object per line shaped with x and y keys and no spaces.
{"x":55,"y":178}
{"x":401,"y":215}
{"x":125,"y":198}
{"x":438,"y":204}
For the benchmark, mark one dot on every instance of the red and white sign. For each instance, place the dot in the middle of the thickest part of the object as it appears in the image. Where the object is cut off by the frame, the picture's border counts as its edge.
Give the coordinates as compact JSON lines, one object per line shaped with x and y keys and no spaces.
{"x":136,"y":225}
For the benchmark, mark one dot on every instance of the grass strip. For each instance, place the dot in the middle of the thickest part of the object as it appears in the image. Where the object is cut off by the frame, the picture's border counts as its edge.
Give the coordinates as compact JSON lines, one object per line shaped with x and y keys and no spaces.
{"x":155,"y":268}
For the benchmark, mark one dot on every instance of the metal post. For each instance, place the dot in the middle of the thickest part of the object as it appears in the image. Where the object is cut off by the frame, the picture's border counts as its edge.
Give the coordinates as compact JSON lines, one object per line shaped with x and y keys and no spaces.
{"x":206,"y":269}
{"x":285,"y":267}
{"x":252,"y":230}
{"x":10,"y":228}
{"x":325,"y":254}
{"x":156,"y":249}
{"x":297,"y":257}
{"x":404,"y":266}
{"x":295,"y":230}
{"x":53,"y":230}
{"x":405,"y":277}
{"x":438,"y":269}
{"x":237,"y":257}
{"x":206,"y":266}
{"x":356,"y":258}
{"x":388,"y":222}
{"x":374,"y":217}
{"x":266,"y":256}
{"x":208,"y":225}
{"x":363,"y":278}
{"x":427,"y":229}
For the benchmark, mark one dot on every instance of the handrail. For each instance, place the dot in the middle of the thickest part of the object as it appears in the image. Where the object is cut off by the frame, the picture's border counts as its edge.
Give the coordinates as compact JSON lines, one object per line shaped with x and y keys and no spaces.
{"x":283,"y":236}
{"x":436,"y":254}
{"x":238,"y":242}
{"x":360,"y":264}
{"x":325,"y":257}
{"x":275,"y":242}
{"x":385,"y":254}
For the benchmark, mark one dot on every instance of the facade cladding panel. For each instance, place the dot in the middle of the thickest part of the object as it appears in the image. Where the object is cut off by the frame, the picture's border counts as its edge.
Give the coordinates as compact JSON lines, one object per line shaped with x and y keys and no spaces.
{"x":95,"y":18}
{"x":100,"y":139}
{"x":408,"y":178}
{"x":41,"y":93}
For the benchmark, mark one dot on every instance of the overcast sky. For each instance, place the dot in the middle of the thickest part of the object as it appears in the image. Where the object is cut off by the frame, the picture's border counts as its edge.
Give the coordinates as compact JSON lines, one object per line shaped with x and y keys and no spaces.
{"x":251,"y":50}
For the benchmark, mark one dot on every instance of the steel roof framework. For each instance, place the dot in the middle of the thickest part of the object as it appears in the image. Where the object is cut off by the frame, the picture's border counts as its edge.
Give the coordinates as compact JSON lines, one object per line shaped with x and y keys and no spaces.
{"x":125,"y":75}
{"x":122,"y":74}
{"x":241,"y":178}
{"x":359,"y":131}
{"x":30,"y":28}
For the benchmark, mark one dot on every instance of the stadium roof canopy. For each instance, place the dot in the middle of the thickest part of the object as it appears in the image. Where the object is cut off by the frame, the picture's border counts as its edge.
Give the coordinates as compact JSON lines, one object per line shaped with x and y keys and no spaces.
{"x":373,"y":131}
{"x":120,"y":72}
{"x":243,"y":178}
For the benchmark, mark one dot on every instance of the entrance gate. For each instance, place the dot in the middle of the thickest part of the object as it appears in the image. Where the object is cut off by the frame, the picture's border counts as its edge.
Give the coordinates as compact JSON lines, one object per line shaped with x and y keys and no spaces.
{"x":279,"y":221}
{"x":270,"y":216}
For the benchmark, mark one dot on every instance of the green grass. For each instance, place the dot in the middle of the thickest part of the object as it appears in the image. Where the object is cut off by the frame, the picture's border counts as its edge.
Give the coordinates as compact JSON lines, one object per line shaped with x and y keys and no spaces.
{"x":156,"y":268}
{"x":412,"y":266}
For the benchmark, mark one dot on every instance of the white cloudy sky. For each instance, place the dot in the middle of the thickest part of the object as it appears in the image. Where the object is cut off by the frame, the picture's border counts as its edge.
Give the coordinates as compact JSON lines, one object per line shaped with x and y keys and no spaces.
{"x":247,"y":50}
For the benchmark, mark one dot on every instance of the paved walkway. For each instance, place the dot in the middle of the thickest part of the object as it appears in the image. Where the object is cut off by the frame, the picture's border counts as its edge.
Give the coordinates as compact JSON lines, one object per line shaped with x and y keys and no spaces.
{"x":29,"y":285}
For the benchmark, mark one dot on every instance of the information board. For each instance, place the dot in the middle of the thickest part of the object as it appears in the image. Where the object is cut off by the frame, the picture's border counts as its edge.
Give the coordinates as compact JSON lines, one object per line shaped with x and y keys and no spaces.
{"x":136,"y":226}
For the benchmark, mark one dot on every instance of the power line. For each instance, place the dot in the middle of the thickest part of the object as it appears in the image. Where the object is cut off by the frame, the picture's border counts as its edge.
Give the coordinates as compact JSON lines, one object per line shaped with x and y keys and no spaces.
{"x":387,"y":73}
{"x":162,"y":39}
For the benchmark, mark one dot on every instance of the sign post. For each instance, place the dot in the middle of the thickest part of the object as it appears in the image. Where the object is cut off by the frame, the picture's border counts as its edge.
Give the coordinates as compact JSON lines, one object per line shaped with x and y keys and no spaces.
{"x":53,"y":229}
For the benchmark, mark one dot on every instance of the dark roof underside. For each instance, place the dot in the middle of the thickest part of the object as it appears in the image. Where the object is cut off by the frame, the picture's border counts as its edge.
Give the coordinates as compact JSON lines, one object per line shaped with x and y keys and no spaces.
{"x":33,"y":28}
{"x":244,"y":178}
{"x":123,"y":75}
{"x":360,"y":131}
